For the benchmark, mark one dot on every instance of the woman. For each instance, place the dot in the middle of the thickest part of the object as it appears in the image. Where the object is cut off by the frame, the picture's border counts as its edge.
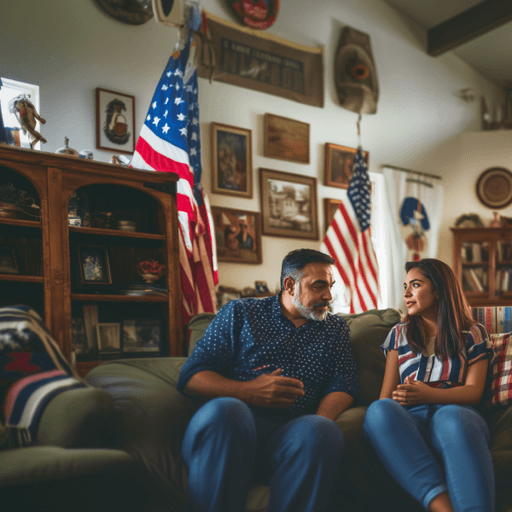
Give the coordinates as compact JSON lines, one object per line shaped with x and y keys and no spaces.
{"x":436,"y":366}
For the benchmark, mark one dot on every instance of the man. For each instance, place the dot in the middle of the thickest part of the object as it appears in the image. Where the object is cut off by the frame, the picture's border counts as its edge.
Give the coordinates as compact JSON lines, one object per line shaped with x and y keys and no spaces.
{"x":279,"y":371}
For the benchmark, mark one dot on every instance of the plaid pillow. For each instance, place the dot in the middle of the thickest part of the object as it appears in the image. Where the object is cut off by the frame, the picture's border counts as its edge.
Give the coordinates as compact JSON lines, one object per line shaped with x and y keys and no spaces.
{"x":501,"y":388}
{"x":32,"y":371}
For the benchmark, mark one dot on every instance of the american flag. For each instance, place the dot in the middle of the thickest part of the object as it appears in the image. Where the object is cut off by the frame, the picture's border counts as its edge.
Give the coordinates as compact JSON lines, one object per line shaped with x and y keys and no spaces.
{"x":348,"y":241}
{"x":169,"y":141}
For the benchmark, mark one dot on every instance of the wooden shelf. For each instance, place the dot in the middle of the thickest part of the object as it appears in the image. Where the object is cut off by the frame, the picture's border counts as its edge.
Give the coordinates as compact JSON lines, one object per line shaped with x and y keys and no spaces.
{"x":115,"y":232}
{"x":88,"y":297}
{"x":21,"y":278}
{"x":21,"y":222}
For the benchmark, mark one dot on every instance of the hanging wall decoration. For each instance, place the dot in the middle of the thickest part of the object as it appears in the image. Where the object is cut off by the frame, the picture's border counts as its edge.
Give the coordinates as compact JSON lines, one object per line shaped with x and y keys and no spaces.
{"x":133,"y":12}
{"x":260,"y":61}
{"x":258,"y":14}
{"x":355,"y":74}
{"x":494,"y":187}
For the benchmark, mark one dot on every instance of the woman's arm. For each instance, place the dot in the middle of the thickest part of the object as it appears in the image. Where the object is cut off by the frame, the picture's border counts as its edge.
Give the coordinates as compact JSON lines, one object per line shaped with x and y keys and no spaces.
{"x":391,"y":375}
{"x":416,"y":392}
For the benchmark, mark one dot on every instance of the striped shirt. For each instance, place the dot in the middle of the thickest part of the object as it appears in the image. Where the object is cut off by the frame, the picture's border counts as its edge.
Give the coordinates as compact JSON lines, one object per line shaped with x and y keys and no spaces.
{"x":446,"y":373}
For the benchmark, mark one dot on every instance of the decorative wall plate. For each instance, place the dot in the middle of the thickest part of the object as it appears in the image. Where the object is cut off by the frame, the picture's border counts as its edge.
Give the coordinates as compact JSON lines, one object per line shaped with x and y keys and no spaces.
{"x":133,"y":12}
{"x":494,"y":187}
{"x":259,"y":14}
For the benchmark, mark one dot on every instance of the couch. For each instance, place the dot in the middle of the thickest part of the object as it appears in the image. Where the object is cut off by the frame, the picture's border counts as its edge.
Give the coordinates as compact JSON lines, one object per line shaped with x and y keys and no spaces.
{"x":150,"y":417}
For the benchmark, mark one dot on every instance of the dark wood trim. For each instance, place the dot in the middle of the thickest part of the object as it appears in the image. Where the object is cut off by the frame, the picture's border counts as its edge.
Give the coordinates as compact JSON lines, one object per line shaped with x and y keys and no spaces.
{"x":467,"y":25}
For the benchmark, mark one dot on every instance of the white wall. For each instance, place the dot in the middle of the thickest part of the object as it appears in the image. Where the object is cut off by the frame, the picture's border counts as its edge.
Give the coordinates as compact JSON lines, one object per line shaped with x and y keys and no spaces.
{"x":70,"y":47}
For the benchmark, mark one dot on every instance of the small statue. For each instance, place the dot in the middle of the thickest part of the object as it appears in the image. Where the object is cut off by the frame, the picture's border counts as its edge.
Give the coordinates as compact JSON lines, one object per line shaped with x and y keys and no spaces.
{"x":26,"y":115}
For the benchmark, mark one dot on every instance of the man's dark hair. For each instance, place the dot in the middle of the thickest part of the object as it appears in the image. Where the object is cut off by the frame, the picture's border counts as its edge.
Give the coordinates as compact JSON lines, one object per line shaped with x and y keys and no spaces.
{"x":295,"y":261}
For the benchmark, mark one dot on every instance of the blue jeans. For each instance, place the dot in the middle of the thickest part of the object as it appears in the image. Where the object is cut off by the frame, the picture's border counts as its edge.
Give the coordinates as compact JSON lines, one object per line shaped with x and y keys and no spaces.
{"x":225,"y":446}
{"x":413,"y":442}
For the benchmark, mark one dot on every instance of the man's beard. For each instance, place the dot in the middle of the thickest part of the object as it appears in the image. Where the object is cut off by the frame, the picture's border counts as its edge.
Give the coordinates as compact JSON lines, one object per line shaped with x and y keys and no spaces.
{"x":309,"y":312}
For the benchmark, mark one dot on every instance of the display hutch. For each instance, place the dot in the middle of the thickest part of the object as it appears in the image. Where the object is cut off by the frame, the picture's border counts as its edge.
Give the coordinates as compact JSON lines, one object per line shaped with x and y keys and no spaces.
{"x":65,"y":252}
{"x":482,"y":259}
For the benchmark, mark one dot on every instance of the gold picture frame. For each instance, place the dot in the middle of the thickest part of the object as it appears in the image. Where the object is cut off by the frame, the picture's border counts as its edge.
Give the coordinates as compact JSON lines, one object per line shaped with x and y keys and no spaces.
{"x":286,"y":139}
{"x":231,"y":160}
{"x":339,"y":161}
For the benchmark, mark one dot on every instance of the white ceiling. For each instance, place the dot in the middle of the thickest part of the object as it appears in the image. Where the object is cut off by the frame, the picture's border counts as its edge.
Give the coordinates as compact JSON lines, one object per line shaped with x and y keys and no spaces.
{"x":490,"y":53}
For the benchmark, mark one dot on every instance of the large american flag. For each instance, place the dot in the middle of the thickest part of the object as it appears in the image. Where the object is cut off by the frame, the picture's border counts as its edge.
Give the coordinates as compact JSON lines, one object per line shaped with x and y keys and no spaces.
{"x":169,"y":141}
{"x":348,"y":241}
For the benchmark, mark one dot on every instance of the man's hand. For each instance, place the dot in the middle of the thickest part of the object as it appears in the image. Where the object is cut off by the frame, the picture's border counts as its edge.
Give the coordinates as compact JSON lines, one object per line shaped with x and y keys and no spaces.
{"x":272,"y":390}
{"x":413,"y":392}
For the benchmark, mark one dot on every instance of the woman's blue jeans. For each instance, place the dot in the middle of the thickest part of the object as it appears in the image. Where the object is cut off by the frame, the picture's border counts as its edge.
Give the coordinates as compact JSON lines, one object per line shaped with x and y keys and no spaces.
{"x":225,"y":446}
{"x":415,"y":444}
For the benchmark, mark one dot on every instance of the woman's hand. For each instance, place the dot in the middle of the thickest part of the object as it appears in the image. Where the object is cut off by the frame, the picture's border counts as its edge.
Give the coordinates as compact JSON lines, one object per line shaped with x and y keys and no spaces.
{"x":413,"y":392}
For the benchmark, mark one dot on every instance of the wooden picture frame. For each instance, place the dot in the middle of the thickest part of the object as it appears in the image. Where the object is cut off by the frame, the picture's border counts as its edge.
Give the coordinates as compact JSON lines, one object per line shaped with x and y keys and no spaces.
{"x":286,"y":139}
{"x":231,"y":160}
{"x":93,"y":265}
{"x":330,"y":208}
{"x":288,"y":205}
{"x":237,"y":235}
{"x":108,"y":337}
{"x":339,"y":161}
{"x":115,"y":121}
{"x":9,"y":259}
{"x":142,"y":335}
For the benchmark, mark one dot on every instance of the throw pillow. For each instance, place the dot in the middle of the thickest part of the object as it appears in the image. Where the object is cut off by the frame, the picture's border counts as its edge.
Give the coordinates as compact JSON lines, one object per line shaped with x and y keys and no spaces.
{"x":32,"y":371}
{"x":501,"y":387}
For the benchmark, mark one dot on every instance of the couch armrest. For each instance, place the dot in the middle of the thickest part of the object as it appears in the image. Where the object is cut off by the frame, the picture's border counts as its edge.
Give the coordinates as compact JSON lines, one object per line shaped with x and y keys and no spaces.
{"x":77,"y":418}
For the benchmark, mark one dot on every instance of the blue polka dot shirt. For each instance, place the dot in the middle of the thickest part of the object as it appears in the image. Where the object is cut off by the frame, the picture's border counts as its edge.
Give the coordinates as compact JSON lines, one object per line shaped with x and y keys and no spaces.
{"x":248,"y":334}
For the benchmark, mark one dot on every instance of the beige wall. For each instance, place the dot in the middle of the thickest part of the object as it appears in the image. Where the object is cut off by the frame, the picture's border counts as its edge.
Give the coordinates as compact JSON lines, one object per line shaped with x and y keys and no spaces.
{"x":70,"y":47}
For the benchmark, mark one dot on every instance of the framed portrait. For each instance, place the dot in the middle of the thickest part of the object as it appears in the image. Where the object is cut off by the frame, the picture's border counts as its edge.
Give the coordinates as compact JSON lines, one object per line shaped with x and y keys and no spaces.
{"x":9,"y":259}
{"x":339,"y":161}
{"x":237,"y":235}
{"x":141,"y":335}
{"x":109,"y":337}
{"x":115,"y":121}
{"x":94,"y":265}
{"x":288,"y":205}
{"x":330,"y":208}
{"x":286,"y":139}
{"x":231,"y":160}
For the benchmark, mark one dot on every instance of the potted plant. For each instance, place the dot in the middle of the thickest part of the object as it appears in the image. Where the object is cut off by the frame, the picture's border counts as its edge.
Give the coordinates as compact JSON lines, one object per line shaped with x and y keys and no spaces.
{"x":13,"y":200}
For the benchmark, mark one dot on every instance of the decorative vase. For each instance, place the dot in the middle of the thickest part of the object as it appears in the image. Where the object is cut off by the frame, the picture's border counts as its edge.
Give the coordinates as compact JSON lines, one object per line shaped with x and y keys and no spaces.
{"x":150,"y":278}
{"x":496,"y":223}
{"x":8,"y":210}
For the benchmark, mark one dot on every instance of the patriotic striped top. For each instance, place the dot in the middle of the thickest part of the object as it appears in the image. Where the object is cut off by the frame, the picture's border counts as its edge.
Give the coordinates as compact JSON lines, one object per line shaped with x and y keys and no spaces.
{"x":445,"y":373}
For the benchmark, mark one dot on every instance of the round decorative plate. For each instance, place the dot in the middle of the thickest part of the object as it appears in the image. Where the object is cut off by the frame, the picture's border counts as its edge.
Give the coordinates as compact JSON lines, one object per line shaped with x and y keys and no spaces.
{"x":494,"y":187}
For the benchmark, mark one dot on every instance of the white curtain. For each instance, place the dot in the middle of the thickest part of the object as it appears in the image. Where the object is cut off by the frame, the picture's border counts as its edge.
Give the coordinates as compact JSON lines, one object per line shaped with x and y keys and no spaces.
{"x":413,"y":213}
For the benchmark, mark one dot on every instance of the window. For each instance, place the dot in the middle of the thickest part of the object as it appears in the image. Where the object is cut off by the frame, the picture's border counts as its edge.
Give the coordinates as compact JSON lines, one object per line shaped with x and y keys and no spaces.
{"x":9,"y":89}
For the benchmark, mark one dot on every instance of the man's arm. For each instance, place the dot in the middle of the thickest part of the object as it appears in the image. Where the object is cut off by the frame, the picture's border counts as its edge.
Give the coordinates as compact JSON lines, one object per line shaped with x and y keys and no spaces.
{"x":333,"y":404}
{"x":267,"y":390}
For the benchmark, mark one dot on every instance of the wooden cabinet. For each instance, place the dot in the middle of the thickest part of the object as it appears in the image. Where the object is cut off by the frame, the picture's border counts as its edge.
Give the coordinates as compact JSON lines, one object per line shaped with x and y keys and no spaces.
{"x":482,"y":259}
{"x":41,"y":255}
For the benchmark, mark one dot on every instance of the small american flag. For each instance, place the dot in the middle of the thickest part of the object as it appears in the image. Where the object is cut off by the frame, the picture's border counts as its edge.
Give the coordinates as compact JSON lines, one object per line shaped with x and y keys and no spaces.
{"x":169,"y":142}
{"x":348,"y":241}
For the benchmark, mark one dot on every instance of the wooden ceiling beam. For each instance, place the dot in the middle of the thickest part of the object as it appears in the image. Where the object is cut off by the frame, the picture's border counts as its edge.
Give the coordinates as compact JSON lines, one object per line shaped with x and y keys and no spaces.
{"x":467,"y":25}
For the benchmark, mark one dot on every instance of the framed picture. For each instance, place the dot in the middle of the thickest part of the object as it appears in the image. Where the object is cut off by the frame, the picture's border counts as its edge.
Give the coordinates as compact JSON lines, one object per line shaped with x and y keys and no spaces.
{"x":330,"y":208}
{"x":237,"y":235}
{"x":288,"y":205}
{"x":9,"y":259}
{"x":109,"y":337}
{"x":286,"y":139}
{"x":79,"y":337}
{"x":94,"y":265}
{"x":141,"y":335}
{"x":339,"y":161}
{"x":231,"y":160}
{"x":115,"y":121}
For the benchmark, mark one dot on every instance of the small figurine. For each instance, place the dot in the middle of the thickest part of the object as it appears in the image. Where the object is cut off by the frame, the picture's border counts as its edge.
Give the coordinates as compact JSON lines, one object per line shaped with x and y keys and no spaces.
{"x":66,"y":150}
{"x":26,"y":115}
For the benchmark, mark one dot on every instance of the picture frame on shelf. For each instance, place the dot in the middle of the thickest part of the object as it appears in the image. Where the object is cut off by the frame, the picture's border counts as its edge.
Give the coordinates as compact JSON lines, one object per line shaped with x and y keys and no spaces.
{"x":93,"y":265}
{"x":141,"y":335}
{"x":330,"y":208}
{"x":231,"y":160}
{"x":115,"y":121}
{"x":108,"y":337}
{"x":288,"y":205}
{"x":9,"y":259}
{"x":237,"y":235}
{"x":339,"y":161}
{"x":79,"y":336}
{"x":286,"y":139}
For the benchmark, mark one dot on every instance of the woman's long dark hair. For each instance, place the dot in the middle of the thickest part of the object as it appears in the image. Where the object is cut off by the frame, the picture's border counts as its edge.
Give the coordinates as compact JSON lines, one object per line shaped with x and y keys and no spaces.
{"x":454,"y":313}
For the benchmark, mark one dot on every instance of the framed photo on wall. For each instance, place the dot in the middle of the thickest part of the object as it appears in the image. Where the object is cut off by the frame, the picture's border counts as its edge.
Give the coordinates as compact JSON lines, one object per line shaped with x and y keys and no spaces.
{"x":288,"y":205}
{"x":231,"y":160}
{"x":115,"y":121}
{"x":286,"y":139}
{"x":339,"y":161}
{"x":237,"y":235}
